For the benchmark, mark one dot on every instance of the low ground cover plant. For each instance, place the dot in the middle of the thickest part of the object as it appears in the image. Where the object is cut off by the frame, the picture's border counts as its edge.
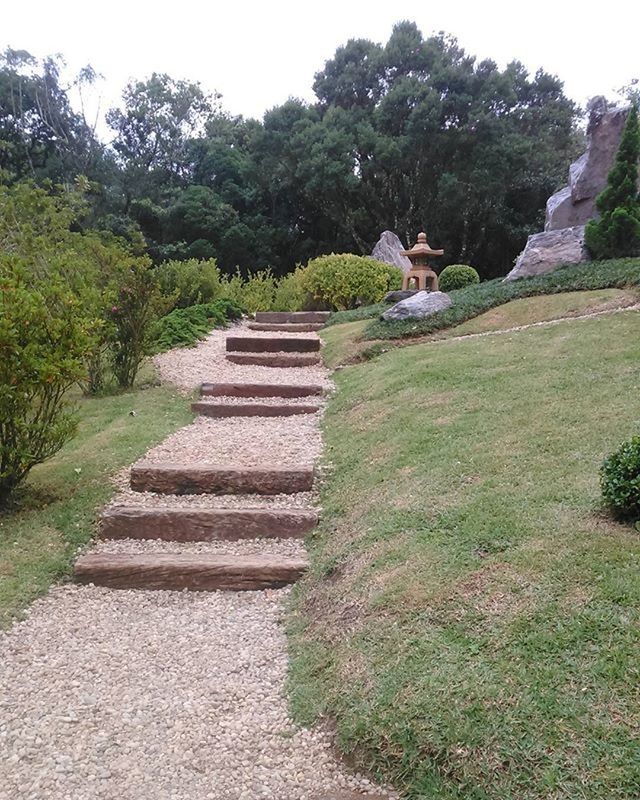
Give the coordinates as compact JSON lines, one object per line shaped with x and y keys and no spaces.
{"x":474,"y":300}
{"x":184,"y":327}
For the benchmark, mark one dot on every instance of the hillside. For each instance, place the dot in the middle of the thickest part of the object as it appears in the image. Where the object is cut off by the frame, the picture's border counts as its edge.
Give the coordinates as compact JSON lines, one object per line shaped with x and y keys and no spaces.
{"x":470,"y":621}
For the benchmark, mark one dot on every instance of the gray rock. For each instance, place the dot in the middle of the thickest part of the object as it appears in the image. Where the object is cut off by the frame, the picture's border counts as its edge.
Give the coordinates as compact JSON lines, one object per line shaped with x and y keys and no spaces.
{"x":388,"y":249}
{"x":546,"y":251}
{"x":400,"y":294}
{"x":575,"y":204}
{"x":418,"y":306}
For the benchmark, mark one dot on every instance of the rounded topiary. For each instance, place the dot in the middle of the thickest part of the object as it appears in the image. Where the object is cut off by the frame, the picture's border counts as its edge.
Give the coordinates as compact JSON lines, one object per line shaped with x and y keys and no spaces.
{"x":343,"y":281}
{"x":620,"y":480}
{"x":457,"y":276}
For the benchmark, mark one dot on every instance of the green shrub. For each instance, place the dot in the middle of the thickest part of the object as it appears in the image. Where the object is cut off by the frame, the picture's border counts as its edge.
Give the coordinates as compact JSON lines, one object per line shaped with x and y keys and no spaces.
{"x":258,"y":292}
{"x":290,"y":294}
{"x":620,"y":480}
{"x":345,"y":281}
{"x":190,"y":282}
{"x":183,"y":327}
{"x":44,"y":335}
{"x":457,"y":276}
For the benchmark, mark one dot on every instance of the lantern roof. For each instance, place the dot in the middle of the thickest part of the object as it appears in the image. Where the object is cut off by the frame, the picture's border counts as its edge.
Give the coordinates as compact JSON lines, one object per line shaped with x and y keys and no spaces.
{"x":421,"y":248}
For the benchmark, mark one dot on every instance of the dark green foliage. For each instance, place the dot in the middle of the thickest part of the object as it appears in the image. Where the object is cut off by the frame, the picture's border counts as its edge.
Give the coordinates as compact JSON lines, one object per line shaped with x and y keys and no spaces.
{"x":457,"y":276}
{"x":617,"y":233}
{"x":44,"y":334}
{"x":183,"y":327}
{"x":477,"y":299}
{"x":620,"y":480}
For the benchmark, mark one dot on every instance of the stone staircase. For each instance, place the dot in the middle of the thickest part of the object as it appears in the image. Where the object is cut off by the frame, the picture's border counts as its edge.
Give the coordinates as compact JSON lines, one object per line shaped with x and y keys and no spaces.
{"x":183,"y":526}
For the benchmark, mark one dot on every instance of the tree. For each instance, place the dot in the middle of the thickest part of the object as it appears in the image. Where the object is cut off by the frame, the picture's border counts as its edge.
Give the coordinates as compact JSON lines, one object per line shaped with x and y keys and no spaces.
{"x":617,"y":233}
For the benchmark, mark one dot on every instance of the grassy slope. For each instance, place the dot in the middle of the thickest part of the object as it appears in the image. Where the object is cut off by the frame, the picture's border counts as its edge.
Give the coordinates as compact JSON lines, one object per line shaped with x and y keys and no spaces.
{"x":471,"y":617}
{"x":475,"y":300}
{"x":57,"y":510}
{"x":346,"y":342}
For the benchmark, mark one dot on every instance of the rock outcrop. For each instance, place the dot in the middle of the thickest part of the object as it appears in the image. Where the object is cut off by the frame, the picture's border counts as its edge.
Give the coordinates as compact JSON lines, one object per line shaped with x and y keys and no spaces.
{"x":569,"y":209}
{"x":399,"y":294}
{"x":389,"y":250}
{"x":545,"y":251}
{"x":420,"y":305}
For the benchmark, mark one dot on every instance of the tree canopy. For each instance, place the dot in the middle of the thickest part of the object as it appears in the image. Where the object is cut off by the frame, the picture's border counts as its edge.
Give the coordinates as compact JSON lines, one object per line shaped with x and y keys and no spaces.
{"x":408,"y":135}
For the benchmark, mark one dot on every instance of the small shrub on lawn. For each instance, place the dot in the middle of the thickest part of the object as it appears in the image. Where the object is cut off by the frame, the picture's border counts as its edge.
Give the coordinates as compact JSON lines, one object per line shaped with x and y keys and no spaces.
{"x":345,"y":281}
{"x":457,"y":276}
{"x":620,"y":480}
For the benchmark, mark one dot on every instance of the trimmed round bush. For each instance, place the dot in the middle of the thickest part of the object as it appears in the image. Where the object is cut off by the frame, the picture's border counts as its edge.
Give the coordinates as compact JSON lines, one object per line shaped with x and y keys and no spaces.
{"x":457,"y":276}
{"x":620,"y":480}
{"x":343,"y":281}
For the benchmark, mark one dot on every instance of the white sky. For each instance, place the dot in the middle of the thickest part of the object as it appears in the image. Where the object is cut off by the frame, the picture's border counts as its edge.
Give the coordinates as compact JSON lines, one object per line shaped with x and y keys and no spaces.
{"x":257,"y":54}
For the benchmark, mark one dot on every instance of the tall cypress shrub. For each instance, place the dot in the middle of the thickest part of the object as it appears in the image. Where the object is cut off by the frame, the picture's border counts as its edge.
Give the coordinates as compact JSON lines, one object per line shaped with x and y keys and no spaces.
{"x":617,"y":233}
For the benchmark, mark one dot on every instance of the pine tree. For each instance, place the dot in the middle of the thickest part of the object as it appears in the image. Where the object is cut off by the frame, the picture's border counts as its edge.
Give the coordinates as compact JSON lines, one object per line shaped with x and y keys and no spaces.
{"x":617,"y":233}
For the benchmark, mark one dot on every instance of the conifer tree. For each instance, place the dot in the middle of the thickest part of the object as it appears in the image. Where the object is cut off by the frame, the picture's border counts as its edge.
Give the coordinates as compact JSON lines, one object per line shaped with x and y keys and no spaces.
{"x":617,"y":233}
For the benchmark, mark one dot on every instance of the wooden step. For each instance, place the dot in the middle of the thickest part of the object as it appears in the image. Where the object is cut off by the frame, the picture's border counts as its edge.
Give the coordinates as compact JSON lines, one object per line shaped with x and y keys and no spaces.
{"x":292,"y":316}
{"x":289,"y":327}
{"x":274,"y":360}
{"x":195,"y":571}
{"x":278,"y":344}
{"x":188,"y":479}
{"x":189,"y":524}
{"x":251,"y":409}
{"x":258,"y":390}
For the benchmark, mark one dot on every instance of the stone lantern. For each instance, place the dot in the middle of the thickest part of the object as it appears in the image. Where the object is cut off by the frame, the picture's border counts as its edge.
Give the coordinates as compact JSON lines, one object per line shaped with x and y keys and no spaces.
{"x":424,"y":276}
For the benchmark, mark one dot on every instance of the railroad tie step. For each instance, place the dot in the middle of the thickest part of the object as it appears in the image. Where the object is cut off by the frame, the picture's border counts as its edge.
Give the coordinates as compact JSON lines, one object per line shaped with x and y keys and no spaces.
{"x":258,"y":390}
{"x":194,"y":571}
{"x":287,"y":327}
{"x":292,"y":316}
{"x":274,"y":359}
{"x":190,"y":479}
{"x":276,"y":344}
{"x":208,"y":409}
{"x":190,"y":524}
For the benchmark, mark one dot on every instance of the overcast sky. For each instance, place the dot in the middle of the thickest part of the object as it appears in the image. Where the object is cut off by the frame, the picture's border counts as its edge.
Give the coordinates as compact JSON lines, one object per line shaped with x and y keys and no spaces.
{"x":257,"y":54}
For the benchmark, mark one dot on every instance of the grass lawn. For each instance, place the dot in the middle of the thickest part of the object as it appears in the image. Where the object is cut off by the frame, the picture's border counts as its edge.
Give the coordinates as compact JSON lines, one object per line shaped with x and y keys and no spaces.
{"x":471,"y":617}
{"x":55,"y":513}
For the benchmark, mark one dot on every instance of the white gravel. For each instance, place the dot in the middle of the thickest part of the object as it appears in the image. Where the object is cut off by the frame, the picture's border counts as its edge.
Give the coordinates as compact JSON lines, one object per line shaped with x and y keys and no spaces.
{"x":188,"y":367}
{"x":307,"y":400}
{"x":251,"y":441}
{"x":132,"y":695}
{"x":288,"y":548}
{"x":127,"y":497}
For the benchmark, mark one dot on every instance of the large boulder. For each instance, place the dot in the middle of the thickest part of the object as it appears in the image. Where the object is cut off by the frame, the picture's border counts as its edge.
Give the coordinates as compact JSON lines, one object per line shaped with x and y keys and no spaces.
{"x":420,"y":305}
{"x":548,"y":250}
{"x":389,"y":249}
{"x":575,"y":204}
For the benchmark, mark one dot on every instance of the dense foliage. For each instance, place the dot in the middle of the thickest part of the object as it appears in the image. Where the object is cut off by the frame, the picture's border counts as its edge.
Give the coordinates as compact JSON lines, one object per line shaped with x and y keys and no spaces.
{"x":344,"y":281}
{"x":620,"y":480}
{"x":411,"y":134}
{"x":617,"y":233}
{"x":457,"y":276}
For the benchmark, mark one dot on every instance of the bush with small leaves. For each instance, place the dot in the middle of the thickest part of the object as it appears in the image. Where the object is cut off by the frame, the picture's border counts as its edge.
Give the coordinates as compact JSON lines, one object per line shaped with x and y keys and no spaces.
{"x":345,"y":281}
{"x":620,"y":480}
{"x":190,"y":282}
{"x":184,"y":327}
{"x":457,"y":276}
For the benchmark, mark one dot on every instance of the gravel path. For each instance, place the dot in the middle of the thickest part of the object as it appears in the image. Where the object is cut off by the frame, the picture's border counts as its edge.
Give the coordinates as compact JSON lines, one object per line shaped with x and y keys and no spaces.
{"x":188,"y":367}
{"x":155,"y":695}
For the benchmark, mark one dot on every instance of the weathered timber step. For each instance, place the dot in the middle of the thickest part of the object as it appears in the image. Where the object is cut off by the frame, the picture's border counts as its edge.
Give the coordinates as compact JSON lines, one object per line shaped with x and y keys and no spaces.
{"x":288,"y":327}
{"x":278,"y":344}
{"x":274,"y":359}
{"x":195,"y":571}
{"x":251,"y":409}
{"x":292,"y":316}
{"x":187,"y":479}
{"x":258,"y":390}
{"x":188,"y":524}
